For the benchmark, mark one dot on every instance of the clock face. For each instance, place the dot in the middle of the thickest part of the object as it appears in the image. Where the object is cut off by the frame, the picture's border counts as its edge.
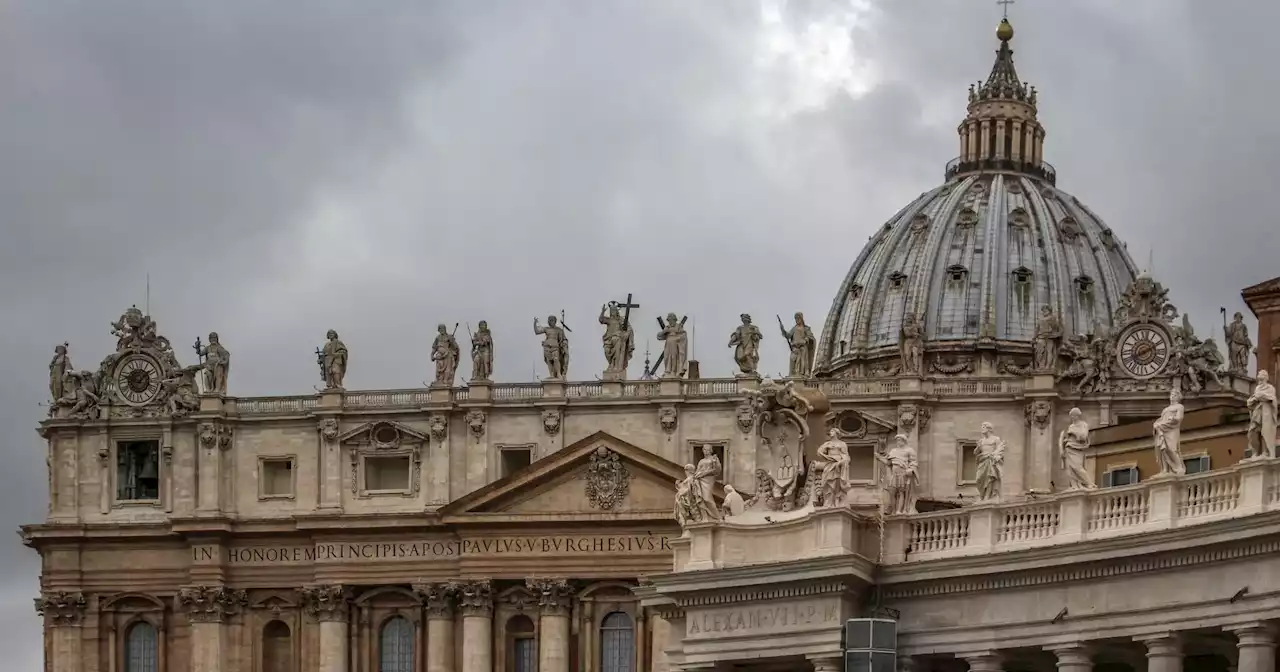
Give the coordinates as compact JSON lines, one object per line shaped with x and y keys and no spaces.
{"x":138,"y":380}
{"x":1143,"y":351}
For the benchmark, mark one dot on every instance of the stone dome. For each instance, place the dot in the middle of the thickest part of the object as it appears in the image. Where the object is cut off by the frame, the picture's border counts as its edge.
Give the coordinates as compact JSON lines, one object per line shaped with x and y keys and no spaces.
{"x":976,"y":258}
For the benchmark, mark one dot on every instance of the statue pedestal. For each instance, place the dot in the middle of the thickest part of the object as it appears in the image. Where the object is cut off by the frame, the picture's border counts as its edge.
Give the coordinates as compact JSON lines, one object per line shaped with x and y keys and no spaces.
{"x":553,"y":388}
{"x":331,"y":398}
{"x":669,"y":387}
{"x":1042,"y":381}
{"x":747,"y":381}
{"x":797,"y":535}
{"x":611,"y":388}
{"x":479,"y":390}
{"x":439,"y":393}
{"x":211,"y":403}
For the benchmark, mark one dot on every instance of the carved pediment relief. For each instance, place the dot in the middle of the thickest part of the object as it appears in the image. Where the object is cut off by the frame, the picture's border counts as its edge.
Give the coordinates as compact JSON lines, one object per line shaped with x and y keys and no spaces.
{"x":383,"y":435}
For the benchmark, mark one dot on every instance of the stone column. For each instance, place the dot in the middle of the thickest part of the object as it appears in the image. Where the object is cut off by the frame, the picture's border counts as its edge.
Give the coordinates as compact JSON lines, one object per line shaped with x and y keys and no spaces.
{"x":983,"y":661}
{"x":207,"y":609}
{"x":475,"y":601}
{"x":827,"y":664}
{"x":63,"y":613}
{"x":330,"y":605}
{"x":555,"y":600}
{"x":1073,"y":657}
{"x":1256,"y":647}
{"x":1164,"y":652}
{"x":439,"y":601}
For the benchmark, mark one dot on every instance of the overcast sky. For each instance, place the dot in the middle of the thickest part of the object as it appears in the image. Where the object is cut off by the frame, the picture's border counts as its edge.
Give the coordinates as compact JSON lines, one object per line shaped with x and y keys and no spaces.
{"x":284,"y":168}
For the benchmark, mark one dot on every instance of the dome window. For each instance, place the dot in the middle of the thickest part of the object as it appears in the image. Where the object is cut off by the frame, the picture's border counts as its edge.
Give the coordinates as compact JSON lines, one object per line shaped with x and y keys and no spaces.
{"x":1022,"y":275}
{"x":897,"y":279}
{"x":1015,"y":187}
{"x":919,"y":223}
{"x":968,"y":217}
{"x":855,"y":292}
{"x":957,"y":273}
{"x":1019,"y":218}
{"x":1069,"y":229}
{"x":1084,"y":284}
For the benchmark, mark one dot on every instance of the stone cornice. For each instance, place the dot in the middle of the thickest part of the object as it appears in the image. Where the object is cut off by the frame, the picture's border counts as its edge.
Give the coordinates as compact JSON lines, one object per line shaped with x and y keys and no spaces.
{"x":61,"y":608}
{"x":210,"y":604}
{"x":854,"y":571}
{"x":326,"y":602}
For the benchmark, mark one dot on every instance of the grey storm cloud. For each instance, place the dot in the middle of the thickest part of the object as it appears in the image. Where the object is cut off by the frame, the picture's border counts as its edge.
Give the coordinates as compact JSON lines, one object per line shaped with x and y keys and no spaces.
{"x":279,"y":169}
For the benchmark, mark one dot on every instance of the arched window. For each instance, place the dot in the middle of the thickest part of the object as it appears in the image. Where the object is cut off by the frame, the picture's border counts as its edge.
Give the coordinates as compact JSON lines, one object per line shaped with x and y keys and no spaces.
{"x":277,"y":648}
{"x":141,"y":648}
{"x":397,"y":646}
{"x":522,"y":646}
{"x":617,"y":643}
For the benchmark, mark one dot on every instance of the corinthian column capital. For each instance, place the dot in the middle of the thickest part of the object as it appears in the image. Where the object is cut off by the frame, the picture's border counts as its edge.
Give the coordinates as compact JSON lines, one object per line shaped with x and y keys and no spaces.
{"x":61,"y":608}
{"x":210,"y":604}
{"x":438,"y":598}
{"x":474,"y":598}
{"x":326,"y":602}
{"x":555,"y":596}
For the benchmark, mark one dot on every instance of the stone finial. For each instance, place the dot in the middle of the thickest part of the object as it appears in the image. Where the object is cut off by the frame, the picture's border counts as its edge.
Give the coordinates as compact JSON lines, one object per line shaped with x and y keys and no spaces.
{"x":439,"y":599}
{"x":326,"y":602}
{"x":210,"y":604}
{"x":555,"y":596}
{"x":475,"y":598}
{"x":61,"y":608}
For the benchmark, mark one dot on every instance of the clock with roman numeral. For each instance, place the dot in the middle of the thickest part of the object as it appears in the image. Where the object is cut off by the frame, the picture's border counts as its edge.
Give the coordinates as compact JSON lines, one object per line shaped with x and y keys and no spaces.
{"x":138,"y":379}
{"x":1143,"y":350}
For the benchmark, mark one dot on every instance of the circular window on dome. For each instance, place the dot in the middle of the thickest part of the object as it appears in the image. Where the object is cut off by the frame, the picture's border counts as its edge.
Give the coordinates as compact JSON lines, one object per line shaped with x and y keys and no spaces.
{"x":919,"y":223}
{"x":967,"y":217}
{"x":855,"y":292}
{"x":1019,"y":218}
{"x":1069,"y":229}
{"x":957,"y":273}
{"x":1084,"y":284}
{"x":897,"y":279}
{"x":1015,"y":187}
{"x":1022,"y":275}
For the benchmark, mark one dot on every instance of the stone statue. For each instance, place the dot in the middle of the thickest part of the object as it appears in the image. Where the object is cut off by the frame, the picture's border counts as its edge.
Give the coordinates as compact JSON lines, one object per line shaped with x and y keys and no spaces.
{"x":1047,"y":338}
{"x":60,"y":369}
{"x":555,"y":347}
{"x":911,"y":344}
{"x":831,"y":471}
{"x":619,"y":341}
{"x":1167,"y":430}
{"x":803,"y":346}
{"x":990,"y":454}
{"x":1262,"y":418}
{"x":482,"y":352}
{"x":81,"y":395}
{"x":687,"y":509}
{"x":745,"y":341}
{"x":901,"y":478}
{"x":217,"y":365}
{"x":1239,"y":346}
{"x":707,"y":472}
{"x":734,"y":505}
{"x":695,"y":502}
{"x":180,"y":390}
{"x":445,"y":353}
{"x":1072,"y":443}
{"x":675,"y":350}
{"x":333,"y":361}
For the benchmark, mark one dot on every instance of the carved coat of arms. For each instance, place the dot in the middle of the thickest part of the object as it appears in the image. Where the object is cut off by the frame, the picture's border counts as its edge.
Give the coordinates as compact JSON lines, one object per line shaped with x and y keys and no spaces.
{"x":608,"y":480}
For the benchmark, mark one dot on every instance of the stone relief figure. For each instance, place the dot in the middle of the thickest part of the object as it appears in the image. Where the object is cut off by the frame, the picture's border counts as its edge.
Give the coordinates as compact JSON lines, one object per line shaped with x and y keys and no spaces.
{"x":1090,"y":364}
{"x":1167,"y":430}
{"x":694,"y":500}
{"x":445,"y":353}
{"x":555,"y":347}
{"x":734,"y":505}
{"x":911,"y":344}
{"x":1072,"y":444}
{"x":707,"y":472}
{"x":619,"y":341}
{"x":1196,"y":361}
{"x":803,"y":346}
{"x":831,"y":469}
{"x":59,"y":371}
{"x":901,"y":477}
{"x":333,"y":361}
{"x":990,"y":454}
{"x":180,"y":390}
{"x":217,"y":364}
{"x":675,"y":349}
{"x":82,"y":390}
{"x":1262,"y":418}
{"x":1047,"y":338}
{"x":482,"y":352}
{"x":1239,"y":346}
{"x":745,"y":341}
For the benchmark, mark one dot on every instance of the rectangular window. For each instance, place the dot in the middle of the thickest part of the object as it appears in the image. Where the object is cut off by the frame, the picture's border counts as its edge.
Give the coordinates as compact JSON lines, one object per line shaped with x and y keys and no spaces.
{"x":276,"y":476}
{"x":514,"y":459}
{"x":1117,"y":477}
{"x":1196,"y":465}
{"x":138,"y":471}
{"x":968,"y":462}
{"x":387,"y":473}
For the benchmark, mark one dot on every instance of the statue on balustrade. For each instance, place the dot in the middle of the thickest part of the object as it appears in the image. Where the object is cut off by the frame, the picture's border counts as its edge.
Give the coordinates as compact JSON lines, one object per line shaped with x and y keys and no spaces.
{"x":1048,"y":336}
{"x":1239,"y":345}
{"x":911,"y":344}
{"x":901,"y":477}
{"x":619,"y":341}
{"x":1262,"y":418}
{"x":831,"y":470}
{"x":1167,"y":430}
{"x":745,"y":341}
{"x":333,"y":361}
{"x":990,"y":457}
{"x":675,"y":348}
{"x":81,"y":395}
{"x":482,"y":352}
{"x":803,"y":346}
{"x":217,"y":364}
{"x":60,"y":370}
{"x":555,"y":347}
{"x":1072,"y":444}
{"x":446,"y":354}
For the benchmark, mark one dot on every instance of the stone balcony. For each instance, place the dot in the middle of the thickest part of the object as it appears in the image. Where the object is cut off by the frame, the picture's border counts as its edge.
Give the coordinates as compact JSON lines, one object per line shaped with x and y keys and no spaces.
{"x":1248,"y":488}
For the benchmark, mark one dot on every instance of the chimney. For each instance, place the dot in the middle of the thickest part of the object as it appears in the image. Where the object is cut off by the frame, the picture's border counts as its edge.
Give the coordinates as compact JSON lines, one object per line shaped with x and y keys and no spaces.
{"x":693,"y":373}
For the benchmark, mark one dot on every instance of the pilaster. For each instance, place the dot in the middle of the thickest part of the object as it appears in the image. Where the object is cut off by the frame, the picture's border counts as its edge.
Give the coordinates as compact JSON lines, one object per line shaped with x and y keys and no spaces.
{"x":330,"y":465}
{"x":475,"y":601}
{"x":555,"y":601}
{"x":439,"y":599}
{"x":476,"y":450}
{"x":330,"y":605}
{"x":207,"y":609}
{"x":1041,"y":445}
{"x":63,"y":614}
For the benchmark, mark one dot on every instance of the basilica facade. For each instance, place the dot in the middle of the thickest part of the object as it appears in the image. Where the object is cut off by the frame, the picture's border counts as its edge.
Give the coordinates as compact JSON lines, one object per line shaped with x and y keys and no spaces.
{"x":927,"y":461}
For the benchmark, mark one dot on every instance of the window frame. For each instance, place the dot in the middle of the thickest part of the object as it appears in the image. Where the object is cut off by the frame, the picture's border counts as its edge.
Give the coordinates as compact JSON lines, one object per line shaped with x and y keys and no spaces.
{"x":412,"y":637}
{"x":965,"y":448}
{"x":1197,"y":457}
{"x":601,"y":629}
{"x":410,"y":488}
{"x":502,"y":448}
{"x":263,"y":461}
{"x":1108,"y":480}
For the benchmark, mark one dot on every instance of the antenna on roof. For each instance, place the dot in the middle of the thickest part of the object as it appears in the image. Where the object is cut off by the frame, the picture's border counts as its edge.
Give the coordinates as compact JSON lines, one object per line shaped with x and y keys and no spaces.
{"x":146,"y":304}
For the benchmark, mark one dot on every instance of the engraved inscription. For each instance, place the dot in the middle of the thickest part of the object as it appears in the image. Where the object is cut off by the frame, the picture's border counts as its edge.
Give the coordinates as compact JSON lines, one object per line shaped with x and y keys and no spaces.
{"x":764,"y":619}
{"x":443,"y":549}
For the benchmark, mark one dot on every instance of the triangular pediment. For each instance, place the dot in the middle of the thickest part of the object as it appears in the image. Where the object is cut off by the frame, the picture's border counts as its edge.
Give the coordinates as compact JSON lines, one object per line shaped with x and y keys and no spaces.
{"x":383,"y":433}
{"x":585,"y":479}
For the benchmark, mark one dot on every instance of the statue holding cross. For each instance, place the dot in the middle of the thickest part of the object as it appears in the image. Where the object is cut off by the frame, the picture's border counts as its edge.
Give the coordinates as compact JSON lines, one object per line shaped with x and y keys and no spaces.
{"x":675,"y":347}
{"x":619,"y":338}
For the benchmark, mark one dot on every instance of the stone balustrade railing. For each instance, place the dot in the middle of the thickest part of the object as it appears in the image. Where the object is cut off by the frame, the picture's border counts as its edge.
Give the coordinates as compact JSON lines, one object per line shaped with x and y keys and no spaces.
{"x":1163,"y":503}
{"x":520,"y":393}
